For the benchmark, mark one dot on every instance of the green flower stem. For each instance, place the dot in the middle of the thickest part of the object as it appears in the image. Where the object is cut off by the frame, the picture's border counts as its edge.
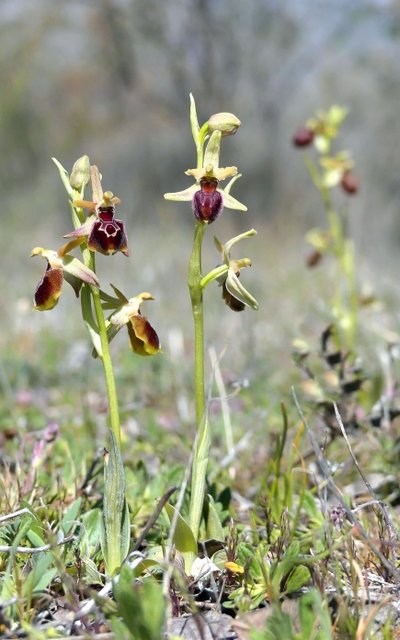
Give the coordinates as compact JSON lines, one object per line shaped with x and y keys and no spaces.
{"x":105,"y":355}
{"x":115,"y":517}
{"x":343,"y":250}
{"x":203,"y":435}
{"x":108,"y":367}
{"x":196,"y":296}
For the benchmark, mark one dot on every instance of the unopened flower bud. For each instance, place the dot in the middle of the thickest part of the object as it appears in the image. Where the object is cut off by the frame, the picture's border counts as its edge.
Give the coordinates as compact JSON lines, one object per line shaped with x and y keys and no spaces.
{"x":226,"y":123}
{"x":349,"y":183}
{"x":303,"y":137}
{"x":80,"y":174}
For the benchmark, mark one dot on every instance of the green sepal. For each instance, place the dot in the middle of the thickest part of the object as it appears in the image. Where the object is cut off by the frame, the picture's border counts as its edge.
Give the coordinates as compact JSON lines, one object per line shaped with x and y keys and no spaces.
{"x":183,"y":196}
{"x":237,"y":290}
{"x":194,"y":122}
{"x":88,"y":318}
{"x":212,"y":152}
{"x":64,"y":175}
{"x":77,"y":269}
{"x":75,"y":283}
{"x":120,"y":295}
{"x":203,"y":134}
{"x":112,"y":302}
{"x":231,"y":182}
{"x":225,"y":249}
{"x":213,"y":275}
{"x":231,"y":203}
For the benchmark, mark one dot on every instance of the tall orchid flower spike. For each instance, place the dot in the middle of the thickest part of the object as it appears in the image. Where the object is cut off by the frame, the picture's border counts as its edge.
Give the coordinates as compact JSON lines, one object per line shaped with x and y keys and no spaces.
{"x":208,"y":199}
{"x":105,"y":233}
{"x":233,"y":292}
{"x":143,"y":338}
{"x":61,"y":266}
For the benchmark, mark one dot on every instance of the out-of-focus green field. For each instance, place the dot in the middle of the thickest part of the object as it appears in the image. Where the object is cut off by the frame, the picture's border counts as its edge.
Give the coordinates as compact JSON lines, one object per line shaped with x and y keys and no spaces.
{"x":49,"y":379}
{"x":48,"y":354}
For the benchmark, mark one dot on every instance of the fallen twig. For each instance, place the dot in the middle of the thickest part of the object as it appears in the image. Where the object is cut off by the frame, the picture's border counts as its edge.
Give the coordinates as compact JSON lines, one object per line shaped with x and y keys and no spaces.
{"x":46,"y":547}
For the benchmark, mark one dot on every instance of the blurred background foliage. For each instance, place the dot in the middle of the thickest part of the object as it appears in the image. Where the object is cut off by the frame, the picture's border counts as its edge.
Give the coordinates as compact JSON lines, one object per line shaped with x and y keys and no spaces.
{"x":111,"y":79}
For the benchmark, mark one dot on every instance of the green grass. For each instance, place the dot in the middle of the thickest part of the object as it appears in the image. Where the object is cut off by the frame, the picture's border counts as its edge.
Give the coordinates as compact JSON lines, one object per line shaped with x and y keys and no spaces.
{"x":282,"y":540}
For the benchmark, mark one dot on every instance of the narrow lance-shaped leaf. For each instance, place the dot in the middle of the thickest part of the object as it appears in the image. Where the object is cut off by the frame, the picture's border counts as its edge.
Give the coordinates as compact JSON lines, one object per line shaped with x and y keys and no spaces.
{"x":115,"y":521}
{"x":184,"y":539}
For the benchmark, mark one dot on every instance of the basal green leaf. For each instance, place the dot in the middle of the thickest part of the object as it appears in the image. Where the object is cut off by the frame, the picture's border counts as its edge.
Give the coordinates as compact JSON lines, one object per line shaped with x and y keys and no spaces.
{"x":184,"y":539}
{"x":298,"y":578}
{"x":70,"y":517}
{"x":141,"y":607}
{"x":40,"y":576}
{"x":213,"y":524}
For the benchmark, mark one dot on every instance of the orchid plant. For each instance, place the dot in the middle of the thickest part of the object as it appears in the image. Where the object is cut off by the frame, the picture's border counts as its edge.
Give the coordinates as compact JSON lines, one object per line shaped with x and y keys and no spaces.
{"x":327,"y":172}
{"x":99,"y":232}
{"x":208,"y":200}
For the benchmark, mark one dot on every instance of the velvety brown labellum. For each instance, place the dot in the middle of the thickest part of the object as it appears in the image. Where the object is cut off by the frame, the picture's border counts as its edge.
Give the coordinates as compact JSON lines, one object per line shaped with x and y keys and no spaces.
{"x":349,"y":183}
{"x":207,"y":204}
{"x":313,"y":258}
{"x":108,"y":234}
{"x":49,"y":289}
{"x":303,"y":137}
{"x":230,"y":300}
{"x":143,"y":338}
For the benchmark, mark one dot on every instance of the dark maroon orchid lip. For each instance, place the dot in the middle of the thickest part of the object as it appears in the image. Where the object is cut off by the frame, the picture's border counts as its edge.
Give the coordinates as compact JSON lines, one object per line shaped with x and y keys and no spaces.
{"x":207,"y":203}
{"x":108,"y":236}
